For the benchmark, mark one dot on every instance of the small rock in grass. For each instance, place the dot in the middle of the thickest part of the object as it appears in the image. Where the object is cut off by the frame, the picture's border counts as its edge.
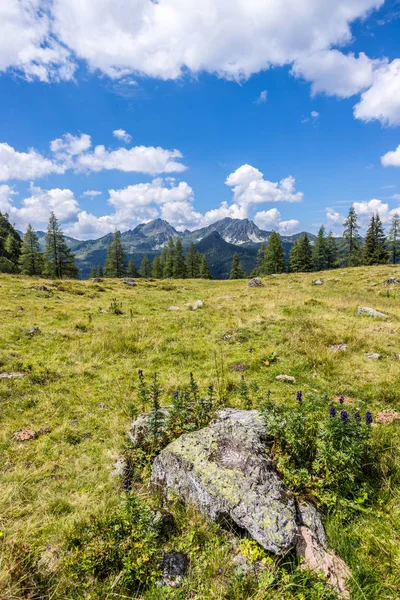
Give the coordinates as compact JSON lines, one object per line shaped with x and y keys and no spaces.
{"x":97,"y":280}
{"x":102,"y":405}
{"x":174,"y":566}
{"x":103,"y":311}
{"x":387,"y":416}
{"x":238,"y":367}
{"x":373,"y":355}
{"x":33,"y":331}
{"x":371,"y":312}
{"x":339,"y":347}
{"x":391,"y":281}
{"x":173,"y":308}
{"x":25,"y":434}
{"x":288,"y":378}
{"x":318,"y":282}
{"x":255,"y":282}
{"x":129,"y":281}
{"x":197,"y":304}
{"x":11,"y":375}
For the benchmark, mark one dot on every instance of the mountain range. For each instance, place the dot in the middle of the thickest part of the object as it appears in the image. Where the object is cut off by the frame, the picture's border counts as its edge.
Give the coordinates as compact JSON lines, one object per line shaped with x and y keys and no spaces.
{"x":218,"y":242}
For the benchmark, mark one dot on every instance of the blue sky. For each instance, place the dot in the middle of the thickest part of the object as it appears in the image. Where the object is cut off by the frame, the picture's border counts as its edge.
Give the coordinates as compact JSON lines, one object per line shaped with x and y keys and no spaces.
{"x":286,"y":112}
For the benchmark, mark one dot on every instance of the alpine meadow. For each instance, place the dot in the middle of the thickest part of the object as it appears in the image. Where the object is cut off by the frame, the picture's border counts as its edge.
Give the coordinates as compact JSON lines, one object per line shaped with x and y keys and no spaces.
{"x":199,"y":300}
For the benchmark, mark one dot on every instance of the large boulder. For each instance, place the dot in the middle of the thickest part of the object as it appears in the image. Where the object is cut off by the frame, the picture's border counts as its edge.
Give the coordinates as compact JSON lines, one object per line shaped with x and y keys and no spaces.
{"x":255,"y":282}
{"x":225,"y":470}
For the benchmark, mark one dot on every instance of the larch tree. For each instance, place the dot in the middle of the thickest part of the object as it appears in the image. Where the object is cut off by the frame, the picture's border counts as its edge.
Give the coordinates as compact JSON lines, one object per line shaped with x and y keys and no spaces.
{"x":115,"y":260}
{"x":59,"y":261}
{"x":274,"y":256}
{"x":352,"y":238}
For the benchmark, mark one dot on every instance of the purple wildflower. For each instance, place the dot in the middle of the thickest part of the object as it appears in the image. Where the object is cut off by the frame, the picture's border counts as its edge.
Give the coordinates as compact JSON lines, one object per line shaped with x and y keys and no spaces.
{"x":368,"y":417}
{"x":140,"y":373}
{"x":341,"y":400}
{"x":49,"y":547}
{"x":299,"y":396}
{"x":344,"y":415}
{"x":127,"y":484}
{"x":332,"y":411}
{"x":220,"y":570}
{"x":176,"y":394}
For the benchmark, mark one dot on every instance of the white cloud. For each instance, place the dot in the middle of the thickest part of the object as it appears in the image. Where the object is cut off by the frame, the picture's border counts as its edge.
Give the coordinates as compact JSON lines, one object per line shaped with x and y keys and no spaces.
{"x":122,"y":135}
{"x":392,"y":158}
{"x":139,"y":159}
{"x":314,"y":114}
{"x":25,"y":165}
{"x":288,"y":227}
{"x":91,"y":193}
{"x":36,"y":208}
{"x":267,"y":219}
{"x":335,"y":73}
{"x":366,"y":209}
{"x":262,"y":98}
{"x":382,"y":100}
{"x":333,"y":218}
{"x":250,"y":187}
{"x":71,"y":145}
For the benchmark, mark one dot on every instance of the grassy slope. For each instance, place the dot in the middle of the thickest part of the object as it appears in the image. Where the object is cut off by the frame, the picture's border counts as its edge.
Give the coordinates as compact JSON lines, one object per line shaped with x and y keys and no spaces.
{"x":73,"y":364}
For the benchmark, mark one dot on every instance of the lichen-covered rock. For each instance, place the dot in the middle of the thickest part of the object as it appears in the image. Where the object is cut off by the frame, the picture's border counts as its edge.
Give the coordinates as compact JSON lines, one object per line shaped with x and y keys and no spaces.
{"x":371,"y":312}
{"x":225,"y":471}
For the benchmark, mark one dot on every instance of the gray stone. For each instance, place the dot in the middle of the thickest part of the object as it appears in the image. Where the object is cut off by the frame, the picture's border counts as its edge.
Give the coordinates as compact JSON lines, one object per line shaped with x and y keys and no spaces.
{"x":174,"y":566}
{"x":173,"y":308}
{"x":225,"y":471}
{"x":197,"y":304}
{"x":339,"y":347}
{"x":391,"y":281}
{"x":373,"y":355}
{"x":371,"y":312}
{"x":129,"y":281}
{"x":288,"y":378}
{"x":318,"y":282}
{"x":255,"y":282}
{"x":311,"y":517}
{"x":11,"y":375}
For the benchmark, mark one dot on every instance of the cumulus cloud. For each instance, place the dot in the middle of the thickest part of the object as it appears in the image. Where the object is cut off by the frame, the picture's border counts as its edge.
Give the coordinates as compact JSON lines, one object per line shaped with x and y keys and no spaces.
{"x":334,"y":218}
{"x":287,"y":227}
{"x":364,"y":211}
{"x":25,"y":165}
{"x":74,"y":152}
{"x":122,"y":135}
{"x":36,"y":208}
{"x":267,"y":219}
{"x":250,"y":187}
{"x":392,"y":158}
{"x":381,"y":101}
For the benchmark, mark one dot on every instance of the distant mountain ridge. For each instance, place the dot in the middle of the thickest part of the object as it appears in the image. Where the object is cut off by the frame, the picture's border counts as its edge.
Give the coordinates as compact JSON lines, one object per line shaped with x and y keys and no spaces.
{"x":218,"y":241}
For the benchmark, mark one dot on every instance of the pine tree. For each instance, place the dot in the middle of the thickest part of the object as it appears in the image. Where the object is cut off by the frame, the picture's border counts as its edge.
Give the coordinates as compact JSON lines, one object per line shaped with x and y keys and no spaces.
{"x":331,"y":252}
{"x":301,"y":255}
{"x":59,"y":260}
{"x":319,"y":252}
{"x":92,"y":273}
{"x":100,"y":272}
{"x":352,"y":238}
{"x":236,"y":270}
{"x":115,"y":261}
{"x":156,"y":268}
{"x":31,"y":259}
{"x":192,"y":262}
{"x":394,"y":238}
{"x":259,"y":261}
{"x":274,"y":257}
{"x":375,"y":250}
{"x":145,"y":268}
{"x":179,"y":260}
{"x":132,"y":270}
{"x":204,"y":269}
{"x":169,"y":258}
{"x":13,"y":248}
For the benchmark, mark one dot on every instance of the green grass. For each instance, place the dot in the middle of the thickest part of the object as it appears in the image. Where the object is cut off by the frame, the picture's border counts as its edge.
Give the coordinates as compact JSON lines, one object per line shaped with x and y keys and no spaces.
{"x":81,"y":357}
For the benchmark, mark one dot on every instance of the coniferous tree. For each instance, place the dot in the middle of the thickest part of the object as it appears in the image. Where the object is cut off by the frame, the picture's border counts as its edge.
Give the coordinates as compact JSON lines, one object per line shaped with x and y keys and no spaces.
{"x":394,"y":238}
{"x":156,"y":268}
{"x":204,"y":269}
{"x":132,"y":270}
{"x":274,"y":257}
{"x":259,"y":261}
{"x":13,"y":248}
{"x":115,"y":260}
{"x":375,"y":250}
{"x":145,"y":268}
{"x":319,"y":251}
{"x":192,"y":262}
{"x":169,"y":259}
{"x":301,"y":255}
{"x":59,"y":260}
{"x":100,"y":272}
{"x":31,"y":259}
{"x":331,"y":252}
{"x":352,"y":238}
{"x":92,"y":273}
{"x":179,"y":260}
{"x":236,"y":270}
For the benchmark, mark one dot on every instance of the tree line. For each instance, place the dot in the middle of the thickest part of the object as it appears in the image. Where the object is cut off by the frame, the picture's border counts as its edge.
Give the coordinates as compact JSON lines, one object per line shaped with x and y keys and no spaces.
{"x":25,"y":256}
{"x":171,"y":263}
{"x":327,"y":252}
